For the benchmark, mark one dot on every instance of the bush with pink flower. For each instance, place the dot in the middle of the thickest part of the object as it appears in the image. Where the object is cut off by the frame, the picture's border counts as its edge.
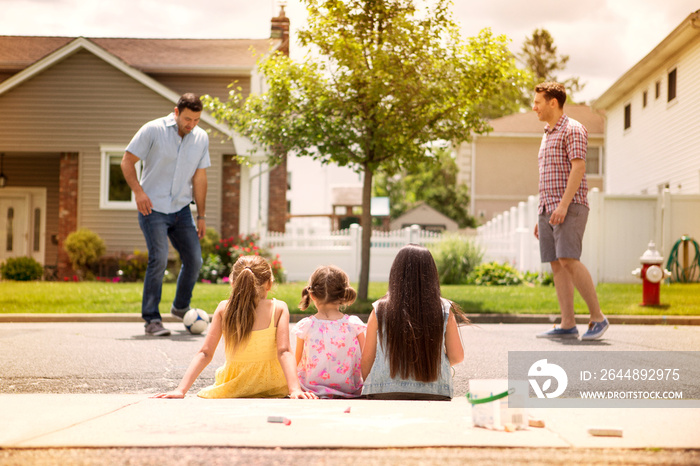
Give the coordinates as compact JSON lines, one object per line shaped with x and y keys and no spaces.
{"x":220,"y":255}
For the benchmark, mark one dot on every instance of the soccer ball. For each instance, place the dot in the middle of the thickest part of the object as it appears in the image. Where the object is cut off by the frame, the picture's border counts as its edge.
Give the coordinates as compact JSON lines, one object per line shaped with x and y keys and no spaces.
{"x":196,"y":321}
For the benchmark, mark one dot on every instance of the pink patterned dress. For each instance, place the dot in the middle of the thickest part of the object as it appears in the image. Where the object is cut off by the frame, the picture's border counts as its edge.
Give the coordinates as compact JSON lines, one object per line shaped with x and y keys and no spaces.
{"x":330,"y":363}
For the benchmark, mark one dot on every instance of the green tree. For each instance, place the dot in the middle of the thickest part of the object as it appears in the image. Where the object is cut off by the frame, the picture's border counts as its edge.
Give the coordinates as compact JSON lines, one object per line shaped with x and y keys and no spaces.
{"x":434,"y":181}
{"x":539,"y":54}
{"x":382,"y":79}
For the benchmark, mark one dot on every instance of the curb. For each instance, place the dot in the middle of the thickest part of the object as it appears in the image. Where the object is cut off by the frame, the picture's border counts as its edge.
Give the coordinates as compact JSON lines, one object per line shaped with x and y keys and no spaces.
{"x":473,"y":318}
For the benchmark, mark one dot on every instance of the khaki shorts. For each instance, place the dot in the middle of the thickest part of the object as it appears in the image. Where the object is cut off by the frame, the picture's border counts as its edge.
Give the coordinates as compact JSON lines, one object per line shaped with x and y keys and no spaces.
{"x":564,"y":240}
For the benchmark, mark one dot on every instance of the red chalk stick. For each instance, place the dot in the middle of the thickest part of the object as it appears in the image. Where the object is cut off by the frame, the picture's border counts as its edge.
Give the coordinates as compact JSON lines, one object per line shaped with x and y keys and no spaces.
{"x":279,"y":419}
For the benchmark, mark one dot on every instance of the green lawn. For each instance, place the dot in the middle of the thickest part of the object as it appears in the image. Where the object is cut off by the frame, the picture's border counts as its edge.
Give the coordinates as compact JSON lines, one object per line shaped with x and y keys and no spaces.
{"x":89,"y":297}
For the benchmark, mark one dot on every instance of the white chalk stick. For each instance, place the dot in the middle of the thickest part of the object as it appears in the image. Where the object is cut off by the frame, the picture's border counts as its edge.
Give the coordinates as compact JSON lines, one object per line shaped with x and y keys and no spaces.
{"x":605,"y":431}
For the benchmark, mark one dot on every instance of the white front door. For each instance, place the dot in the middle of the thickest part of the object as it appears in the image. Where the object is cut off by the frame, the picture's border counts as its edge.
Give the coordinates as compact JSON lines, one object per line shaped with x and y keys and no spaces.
{"x":14,"y":226}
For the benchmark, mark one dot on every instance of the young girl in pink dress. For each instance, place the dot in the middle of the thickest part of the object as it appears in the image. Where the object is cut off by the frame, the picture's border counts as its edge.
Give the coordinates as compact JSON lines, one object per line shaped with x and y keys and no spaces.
{"x":329,"y":343}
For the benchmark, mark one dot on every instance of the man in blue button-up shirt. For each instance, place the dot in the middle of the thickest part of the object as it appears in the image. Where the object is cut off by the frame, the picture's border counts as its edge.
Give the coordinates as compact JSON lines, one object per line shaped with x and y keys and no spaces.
{"x":175,"y":154}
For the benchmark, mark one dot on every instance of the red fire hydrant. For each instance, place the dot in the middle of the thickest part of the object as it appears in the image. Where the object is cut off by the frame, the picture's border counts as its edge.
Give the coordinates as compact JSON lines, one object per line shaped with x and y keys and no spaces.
{"x":651,"y":273}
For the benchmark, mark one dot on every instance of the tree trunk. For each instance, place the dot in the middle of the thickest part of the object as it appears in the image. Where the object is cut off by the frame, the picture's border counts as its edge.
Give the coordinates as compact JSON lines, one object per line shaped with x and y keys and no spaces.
{"x":366,"y":223}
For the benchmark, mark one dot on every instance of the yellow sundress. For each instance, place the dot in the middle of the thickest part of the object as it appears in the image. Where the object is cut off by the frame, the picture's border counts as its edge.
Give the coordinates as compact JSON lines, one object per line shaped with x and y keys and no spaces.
{"x":252,"y":371}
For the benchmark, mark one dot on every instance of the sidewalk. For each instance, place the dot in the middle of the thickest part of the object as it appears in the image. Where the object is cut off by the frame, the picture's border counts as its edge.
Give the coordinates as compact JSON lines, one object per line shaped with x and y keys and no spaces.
{"x":100,"y":421}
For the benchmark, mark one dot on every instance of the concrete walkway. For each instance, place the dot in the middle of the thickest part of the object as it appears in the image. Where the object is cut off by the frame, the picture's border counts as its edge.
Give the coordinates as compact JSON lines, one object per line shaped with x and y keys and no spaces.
{"x":100,"y":421}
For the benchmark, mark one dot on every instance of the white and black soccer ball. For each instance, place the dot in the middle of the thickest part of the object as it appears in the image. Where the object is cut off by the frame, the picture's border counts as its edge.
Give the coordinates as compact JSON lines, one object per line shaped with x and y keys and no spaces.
{"x":196,"y":321}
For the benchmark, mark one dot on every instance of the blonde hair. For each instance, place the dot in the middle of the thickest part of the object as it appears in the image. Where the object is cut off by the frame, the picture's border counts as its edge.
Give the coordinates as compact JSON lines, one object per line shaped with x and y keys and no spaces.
{"x":250,"y":278}
{"x":329,"y":284}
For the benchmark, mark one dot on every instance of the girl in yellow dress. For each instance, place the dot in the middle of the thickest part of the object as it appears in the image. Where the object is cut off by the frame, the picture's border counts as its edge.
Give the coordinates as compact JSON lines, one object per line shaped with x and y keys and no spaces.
{"x":259,"y":361}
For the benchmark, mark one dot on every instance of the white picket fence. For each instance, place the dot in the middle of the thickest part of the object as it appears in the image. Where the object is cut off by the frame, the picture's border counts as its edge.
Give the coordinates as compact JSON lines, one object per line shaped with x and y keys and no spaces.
{"x":301,"y":252}
{"x":618,"y":232}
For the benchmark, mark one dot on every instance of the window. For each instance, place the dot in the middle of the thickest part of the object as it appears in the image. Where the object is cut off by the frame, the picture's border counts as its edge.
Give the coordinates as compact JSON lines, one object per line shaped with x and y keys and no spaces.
{"x":628,"y":116}
{"x":115,"y":193}
{"x":289,"y":181}
{"x":671,"y":91}
{"x":594,"y":161}
{"x":657,"y":89}
{"x":645,"y":94}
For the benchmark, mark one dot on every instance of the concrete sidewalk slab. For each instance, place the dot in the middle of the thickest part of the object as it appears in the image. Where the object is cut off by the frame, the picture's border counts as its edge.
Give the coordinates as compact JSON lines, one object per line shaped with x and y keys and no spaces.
{"x":29,"y":418}
{"x":663,"y":428}
{"x":31,"y":421}
{"x":136,"y":421}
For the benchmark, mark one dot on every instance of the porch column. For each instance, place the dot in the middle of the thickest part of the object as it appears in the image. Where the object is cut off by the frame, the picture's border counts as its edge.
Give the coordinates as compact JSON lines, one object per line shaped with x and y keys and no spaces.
{"x":67,"y":208}
{"x":230,"y":197}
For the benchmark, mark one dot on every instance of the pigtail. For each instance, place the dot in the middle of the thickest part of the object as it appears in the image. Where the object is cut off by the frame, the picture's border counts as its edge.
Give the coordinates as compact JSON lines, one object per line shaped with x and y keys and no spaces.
{"x":349,"y":296}
{"x":305,"y":298}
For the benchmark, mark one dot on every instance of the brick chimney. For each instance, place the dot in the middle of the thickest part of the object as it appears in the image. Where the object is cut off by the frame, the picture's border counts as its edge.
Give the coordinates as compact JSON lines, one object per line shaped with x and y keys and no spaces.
{"x":279,"y":28}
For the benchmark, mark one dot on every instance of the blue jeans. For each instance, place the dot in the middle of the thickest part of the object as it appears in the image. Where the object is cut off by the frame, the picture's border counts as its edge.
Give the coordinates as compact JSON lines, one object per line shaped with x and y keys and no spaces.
{"x":182,"y":231}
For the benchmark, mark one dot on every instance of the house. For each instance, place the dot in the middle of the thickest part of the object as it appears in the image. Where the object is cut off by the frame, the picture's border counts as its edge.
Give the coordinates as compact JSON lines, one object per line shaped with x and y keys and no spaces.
{"x":500,"y":167}
{"x":426,"y":217}
{"x":652,"y":129}
{"x":71,"y":106}
{"x":322,"y":197}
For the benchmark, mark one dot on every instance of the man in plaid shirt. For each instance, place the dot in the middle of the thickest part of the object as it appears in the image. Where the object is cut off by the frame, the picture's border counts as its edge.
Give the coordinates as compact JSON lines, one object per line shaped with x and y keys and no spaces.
{"x":563,"y":211}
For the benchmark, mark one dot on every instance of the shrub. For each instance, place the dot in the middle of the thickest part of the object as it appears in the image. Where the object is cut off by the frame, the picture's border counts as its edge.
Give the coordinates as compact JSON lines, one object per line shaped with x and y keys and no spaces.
{"x":21,"y":269}
{"x":209,"y":242}
{"x":230,"y":249}
{"x":173,"y":270}
{"x":211,"y":270}
{"x":539,"y":278}
{"x":84,"y":249}
{"x":455,"y":257}
{"x":495,"y":274}
{"x":133,"y":266}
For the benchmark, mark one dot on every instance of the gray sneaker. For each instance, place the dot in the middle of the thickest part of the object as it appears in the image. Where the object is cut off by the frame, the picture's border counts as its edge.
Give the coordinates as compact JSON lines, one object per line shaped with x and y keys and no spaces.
{"x":596,"y":330}
{"x":179,"y":313}
{"x":155,"y":328}
{"x":558,"y":332}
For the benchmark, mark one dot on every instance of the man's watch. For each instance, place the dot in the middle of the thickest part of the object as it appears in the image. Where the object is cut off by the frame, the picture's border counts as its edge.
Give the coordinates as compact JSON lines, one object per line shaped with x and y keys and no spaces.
{"x":201,"y":217}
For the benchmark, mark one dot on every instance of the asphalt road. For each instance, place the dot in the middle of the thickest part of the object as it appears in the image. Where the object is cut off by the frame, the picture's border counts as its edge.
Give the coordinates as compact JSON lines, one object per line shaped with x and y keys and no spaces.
{"x":119,"y":358}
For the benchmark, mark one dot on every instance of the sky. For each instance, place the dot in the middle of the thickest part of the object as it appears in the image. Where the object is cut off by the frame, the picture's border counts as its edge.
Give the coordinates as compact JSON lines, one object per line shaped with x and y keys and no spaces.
{"x":603,"y":38}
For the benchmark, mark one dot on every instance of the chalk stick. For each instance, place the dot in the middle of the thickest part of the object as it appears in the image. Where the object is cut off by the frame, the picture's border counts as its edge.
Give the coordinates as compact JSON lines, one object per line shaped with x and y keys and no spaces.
{"x":279,"y":419}
{"x":536,"y":423}
{"x":605,"y":431}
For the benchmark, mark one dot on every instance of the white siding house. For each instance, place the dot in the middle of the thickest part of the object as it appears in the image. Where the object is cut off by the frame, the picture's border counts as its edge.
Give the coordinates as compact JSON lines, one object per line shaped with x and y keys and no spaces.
{"x":652,"y":130}
{"x":310,"y":195}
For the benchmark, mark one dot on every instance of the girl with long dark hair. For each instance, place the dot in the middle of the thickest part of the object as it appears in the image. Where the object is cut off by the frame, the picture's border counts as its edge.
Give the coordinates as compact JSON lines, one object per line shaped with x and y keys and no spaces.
{"x":412,"y":335}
